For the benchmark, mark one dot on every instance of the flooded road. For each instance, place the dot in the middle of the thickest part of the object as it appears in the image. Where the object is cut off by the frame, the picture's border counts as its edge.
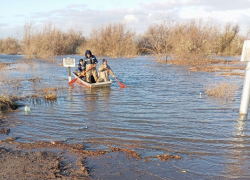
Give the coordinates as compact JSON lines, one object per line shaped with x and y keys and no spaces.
{"x":161,"y":111}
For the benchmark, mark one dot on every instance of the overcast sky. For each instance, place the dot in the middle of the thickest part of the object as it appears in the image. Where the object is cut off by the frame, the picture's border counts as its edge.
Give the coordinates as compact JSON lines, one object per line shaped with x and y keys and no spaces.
{"x":136,"y":14}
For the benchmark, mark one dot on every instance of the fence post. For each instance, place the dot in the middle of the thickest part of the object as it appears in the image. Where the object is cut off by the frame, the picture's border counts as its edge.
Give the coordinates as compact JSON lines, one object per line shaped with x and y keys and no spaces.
{"x":69,"y":73}
{"x":245,"y":56}
{"x":245,"y":94}
{"x":69,"y":62}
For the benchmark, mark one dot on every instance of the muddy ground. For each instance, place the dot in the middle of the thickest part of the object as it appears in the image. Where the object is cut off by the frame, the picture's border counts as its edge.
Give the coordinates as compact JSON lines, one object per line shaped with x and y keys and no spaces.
{"x":52,"y":161}
{"x":58,"y":160}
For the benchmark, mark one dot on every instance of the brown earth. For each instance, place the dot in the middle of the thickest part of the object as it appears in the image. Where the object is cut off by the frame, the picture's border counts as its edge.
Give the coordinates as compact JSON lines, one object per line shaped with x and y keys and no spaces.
{"x":53,"y":160}
{"x":37,"y":165}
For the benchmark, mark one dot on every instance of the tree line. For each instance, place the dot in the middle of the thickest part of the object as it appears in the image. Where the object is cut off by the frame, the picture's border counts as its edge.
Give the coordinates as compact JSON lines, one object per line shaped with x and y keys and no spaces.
{"x":189,"y":42}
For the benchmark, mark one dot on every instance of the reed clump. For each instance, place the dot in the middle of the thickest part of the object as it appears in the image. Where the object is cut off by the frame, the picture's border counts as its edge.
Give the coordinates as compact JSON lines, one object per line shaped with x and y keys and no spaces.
{"x":49,"y":93}
{"x":112,"y":40}
{"x":222,"y":90}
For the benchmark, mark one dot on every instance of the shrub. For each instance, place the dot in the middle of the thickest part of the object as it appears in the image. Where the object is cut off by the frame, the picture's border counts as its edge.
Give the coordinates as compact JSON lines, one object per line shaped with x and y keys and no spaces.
{"x":190,"y":43}
{"x":10,"y":46}
{"x":50,"y":41}
{"x":111,"y":40}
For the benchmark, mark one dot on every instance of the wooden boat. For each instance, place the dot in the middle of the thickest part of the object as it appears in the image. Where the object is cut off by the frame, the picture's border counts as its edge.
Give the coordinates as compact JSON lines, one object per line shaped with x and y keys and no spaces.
{"x":93,"y":85}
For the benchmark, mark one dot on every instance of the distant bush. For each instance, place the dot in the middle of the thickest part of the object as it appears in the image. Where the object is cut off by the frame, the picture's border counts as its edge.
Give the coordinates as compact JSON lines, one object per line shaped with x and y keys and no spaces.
{"x":50,"y":41}
{"x":230,"y":42}
{"x":111,"y":40}
{"x":191,"y":42}
{"x":10,"y":46}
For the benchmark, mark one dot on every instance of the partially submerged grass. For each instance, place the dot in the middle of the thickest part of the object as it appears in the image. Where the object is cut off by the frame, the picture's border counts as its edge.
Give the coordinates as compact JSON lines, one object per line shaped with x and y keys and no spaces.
{"x":216,"y":68}
{"x":14,"y":82}
{"x":232,"y":74}
{"x":49,"y":93}
{"x":6,"y":104}
{"x":2,"y":65}
{"x":222,"y":90}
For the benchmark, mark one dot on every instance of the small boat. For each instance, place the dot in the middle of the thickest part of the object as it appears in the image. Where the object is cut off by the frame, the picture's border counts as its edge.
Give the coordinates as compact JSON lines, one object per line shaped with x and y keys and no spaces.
{"x":93,"y":85}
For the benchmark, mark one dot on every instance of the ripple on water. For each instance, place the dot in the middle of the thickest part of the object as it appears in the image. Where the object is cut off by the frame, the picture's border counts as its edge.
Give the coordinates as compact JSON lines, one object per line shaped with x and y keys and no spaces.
{"x":160,"y":110}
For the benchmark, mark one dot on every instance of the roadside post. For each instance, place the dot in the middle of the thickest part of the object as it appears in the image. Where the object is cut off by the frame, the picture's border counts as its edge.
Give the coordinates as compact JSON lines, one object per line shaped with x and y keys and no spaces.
{"x":245,"y":56}
{"x":69,"y":62}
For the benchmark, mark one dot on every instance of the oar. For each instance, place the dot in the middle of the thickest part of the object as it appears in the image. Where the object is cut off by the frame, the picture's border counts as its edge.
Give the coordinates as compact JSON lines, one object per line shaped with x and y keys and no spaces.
{"x":121,"y":85}
{"x":74,"y":80}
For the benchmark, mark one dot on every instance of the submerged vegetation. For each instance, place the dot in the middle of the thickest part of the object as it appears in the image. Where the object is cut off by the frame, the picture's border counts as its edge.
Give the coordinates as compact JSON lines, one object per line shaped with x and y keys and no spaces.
{"x":187,"y":43}
{"x":223,"y":90}
{"x":40,"y":87}
{"x":6,"y":104}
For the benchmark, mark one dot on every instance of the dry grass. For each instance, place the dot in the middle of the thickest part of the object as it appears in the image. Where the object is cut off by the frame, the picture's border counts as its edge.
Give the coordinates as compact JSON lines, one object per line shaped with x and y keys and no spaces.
{"x":216,"y":68}
{"x":232,"y":74}
{"x":222,"y":90}
{"x":49,"y":93}
{"x":51,"y":96}
{"x":223,"y":61}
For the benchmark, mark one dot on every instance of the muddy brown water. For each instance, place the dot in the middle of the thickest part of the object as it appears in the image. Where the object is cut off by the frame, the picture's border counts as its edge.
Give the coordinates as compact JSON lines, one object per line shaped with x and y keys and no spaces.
{"x":161,"y":111}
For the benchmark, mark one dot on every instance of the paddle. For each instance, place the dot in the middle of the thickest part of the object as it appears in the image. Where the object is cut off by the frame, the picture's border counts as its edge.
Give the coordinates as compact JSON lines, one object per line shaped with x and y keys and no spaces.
{"x":74,"y":80}
{"x":121,"y":85}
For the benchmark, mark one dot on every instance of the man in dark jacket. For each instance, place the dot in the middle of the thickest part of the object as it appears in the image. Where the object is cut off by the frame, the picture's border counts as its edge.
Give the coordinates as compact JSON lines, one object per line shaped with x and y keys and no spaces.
{"x":89,"y":65}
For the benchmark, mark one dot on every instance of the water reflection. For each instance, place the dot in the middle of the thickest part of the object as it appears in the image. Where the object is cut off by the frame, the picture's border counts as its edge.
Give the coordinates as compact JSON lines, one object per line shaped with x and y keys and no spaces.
{"x":92,"y":97}
{"x":71,"y":92}
{"x":27,"y":112}
{"x":237,"y":166}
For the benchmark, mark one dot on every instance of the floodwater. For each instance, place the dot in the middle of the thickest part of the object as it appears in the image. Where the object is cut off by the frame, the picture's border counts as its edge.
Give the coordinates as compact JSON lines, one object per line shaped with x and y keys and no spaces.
{"x":161,"y":111}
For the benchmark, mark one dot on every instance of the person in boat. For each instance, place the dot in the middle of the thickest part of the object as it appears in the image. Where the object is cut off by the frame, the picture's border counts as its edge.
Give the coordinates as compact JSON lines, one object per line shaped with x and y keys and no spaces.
{"x":80,"y":68}
{"x":89,"y":65}
{"x":104,"y":71}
